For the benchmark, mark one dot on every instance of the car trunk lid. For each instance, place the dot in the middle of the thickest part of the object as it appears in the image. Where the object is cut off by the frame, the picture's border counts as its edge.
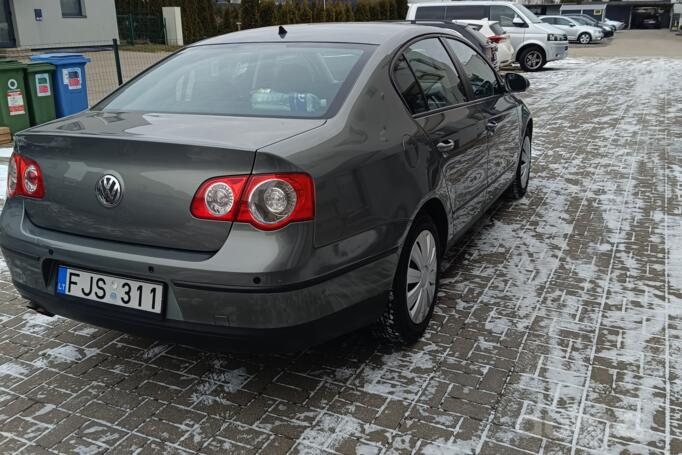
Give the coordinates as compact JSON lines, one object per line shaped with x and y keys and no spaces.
{"x":160,"y":161}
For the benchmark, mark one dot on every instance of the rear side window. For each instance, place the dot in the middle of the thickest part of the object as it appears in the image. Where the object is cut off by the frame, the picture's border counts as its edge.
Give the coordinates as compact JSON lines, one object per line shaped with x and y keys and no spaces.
{"x":481,"y":76}
{"x":408,"y":86}
{"x":466,"y":12}
{"x":502,"y":14}
{"x":435,"y":75}
{"x":497,"y":29}
{"x":306,"y":80}
{"x":430,"y":12}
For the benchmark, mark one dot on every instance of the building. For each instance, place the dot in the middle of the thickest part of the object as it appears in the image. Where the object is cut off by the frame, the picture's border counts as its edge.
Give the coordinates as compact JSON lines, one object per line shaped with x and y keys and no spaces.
{"x":40,"y":24}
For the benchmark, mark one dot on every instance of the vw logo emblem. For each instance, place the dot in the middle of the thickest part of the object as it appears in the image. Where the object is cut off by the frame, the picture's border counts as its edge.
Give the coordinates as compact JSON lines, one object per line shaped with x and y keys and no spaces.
{"x":109,"y":191}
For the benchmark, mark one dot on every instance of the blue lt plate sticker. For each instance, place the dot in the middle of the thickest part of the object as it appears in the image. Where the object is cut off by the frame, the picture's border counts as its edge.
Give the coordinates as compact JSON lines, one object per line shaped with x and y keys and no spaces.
{"x":61,"y":280}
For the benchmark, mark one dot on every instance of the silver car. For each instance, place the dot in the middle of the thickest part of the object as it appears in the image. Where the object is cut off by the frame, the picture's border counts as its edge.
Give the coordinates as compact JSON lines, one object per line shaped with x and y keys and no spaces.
{"x":274,"y":187}
{"x":576,"y":32}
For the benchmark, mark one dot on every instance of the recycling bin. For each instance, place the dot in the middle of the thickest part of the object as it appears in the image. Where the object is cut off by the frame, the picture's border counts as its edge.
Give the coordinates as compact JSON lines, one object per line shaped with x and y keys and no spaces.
{"x":14,"y":110}
{"x":40,"y":92}
{"x":69,"y":82}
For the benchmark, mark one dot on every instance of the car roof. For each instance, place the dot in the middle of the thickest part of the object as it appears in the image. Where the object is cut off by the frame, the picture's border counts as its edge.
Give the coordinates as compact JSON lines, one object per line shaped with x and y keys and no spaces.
{"x":343,"y":32}
{"x":463,"y":2}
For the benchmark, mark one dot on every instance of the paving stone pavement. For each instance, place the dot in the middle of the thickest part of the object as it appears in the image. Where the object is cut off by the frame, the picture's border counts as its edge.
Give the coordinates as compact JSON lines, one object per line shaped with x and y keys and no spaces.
{"x":558,"y":328}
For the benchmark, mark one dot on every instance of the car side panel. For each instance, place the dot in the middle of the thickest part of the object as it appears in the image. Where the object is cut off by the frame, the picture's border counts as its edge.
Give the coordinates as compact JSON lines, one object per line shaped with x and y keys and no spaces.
{"x":372,"y":165}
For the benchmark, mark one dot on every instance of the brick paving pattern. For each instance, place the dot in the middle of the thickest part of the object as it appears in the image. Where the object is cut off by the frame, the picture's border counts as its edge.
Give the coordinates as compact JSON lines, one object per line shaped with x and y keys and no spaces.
{"x":558,"y":328}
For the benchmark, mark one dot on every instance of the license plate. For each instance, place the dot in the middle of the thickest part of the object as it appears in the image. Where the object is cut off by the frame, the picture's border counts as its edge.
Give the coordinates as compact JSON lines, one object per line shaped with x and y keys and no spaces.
{"x":138,"y":295}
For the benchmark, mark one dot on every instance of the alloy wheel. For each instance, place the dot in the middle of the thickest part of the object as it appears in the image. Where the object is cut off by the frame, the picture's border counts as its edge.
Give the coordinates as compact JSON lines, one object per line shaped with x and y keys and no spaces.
{"x":525,"y":161}
{"x":533,"y":60}
{"x":422,"y":273}
{"x":585,"y":38}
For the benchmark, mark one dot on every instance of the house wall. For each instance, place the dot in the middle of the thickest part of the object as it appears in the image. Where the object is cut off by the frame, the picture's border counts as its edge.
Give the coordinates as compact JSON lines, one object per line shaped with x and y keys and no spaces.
{"x":97,"y":27}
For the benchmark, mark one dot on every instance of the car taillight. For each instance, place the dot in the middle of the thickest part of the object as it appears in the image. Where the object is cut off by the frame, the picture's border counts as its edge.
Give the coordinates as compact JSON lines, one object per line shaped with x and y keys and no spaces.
{"x":24,"y":178}
{"x":266,"y":201}
{"x":497,"y":38}
{"x":218,"y":198}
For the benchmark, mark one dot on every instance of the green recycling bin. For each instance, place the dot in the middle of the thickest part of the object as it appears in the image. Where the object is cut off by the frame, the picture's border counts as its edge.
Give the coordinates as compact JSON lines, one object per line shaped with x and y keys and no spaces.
{"x":14,"y":110}
{"x":40,"y":92}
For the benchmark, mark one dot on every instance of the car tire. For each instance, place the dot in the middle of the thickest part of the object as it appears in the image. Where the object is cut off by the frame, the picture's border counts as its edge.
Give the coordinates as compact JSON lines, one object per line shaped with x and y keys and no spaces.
{"x":532,"y":58}
{"x":412,"y":302}
{"x":519,"y":185}
{"x":584,"y":38}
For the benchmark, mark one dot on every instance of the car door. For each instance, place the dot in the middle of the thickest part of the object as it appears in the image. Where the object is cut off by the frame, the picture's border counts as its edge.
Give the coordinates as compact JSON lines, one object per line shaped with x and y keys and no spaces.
{"x":500,"y":112}
{"x":568,"y":26}
{"x":504,"y":15}
{"x":433,"y":90}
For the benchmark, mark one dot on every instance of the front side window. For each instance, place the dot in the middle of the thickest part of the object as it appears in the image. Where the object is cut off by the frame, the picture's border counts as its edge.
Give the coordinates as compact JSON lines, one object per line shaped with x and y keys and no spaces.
{"x":503,"y":14}
{"x":71,"y":8}
{"x":435,"y":74}
{"x":562,"y":21}
{"x":255,"y":79}
{"x":481,"y":76}
{"x":549,"y":20}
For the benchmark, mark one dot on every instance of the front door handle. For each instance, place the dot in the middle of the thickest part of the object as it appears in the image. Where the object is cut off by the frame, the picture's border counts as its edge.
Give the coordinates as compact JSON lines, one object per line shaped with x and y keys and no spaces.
{"x":445,"y":146}
{"x":491,"y":126}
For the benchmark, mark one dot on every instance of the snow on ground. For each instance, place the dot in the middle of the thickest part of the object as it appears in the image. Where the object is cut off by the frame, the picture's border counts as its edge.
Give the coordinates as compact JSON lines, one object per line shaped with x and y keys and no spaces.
{"x":558,"y":327}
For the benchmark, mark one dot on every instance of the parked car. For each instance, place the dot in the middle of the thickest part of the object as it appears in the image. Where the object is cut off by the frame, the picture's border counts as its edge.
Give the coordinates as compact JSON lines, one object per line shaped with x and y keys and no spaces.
{"x":484,"y":45}
{"x":589,"y":20}
{"x":617,"y":24}
{"x":535,"y":43}
{"x":650,"y":22}
{"x":272,"y":187}
{"x":584,"y":34}
{"x":494,"y":32}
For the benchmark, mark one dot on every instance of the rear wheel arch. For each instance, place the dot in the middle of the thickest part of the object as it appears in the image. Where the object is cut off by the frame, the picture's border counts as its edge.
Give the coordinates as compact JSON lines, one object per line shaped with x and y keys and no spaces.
{"x":434,"y":209}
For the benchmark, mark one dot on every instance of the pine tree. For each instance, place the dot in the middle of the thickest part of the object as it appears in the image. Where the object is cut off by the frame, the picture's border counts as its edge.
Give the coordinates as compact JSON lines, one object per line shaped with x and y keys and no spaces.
{"x":305,"y":14}
{"x":228,"y":23}
{"x":266,"y":13}
{"x":402,"y":8}
{"x":362,"y":11}
{"x":249,"y":14}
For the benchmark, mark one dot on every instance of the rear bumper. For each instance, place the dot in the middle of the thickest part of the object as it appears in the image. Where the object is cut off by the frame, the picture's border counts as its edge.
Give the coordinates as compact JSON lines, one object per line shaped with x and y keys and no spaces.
{"x":295,"y":301}
{"x":213,"y":337}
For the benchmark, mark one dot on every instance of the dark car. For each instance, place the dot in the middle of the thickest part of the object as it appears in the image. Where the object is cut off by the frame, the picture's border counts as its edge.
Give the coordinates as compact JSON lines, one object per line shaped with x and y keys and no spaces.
{"x":608,"y":30}
{"x":479,"y":40}
{"x":650,"y":22}
{"x":270,"y":188}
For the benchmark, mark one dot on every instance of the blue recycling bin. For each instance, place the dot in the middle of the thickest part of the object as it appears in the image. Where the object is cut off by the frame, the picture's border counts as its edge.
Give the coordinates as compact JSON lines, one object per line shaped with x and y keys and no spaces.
{"x":70,"y":85}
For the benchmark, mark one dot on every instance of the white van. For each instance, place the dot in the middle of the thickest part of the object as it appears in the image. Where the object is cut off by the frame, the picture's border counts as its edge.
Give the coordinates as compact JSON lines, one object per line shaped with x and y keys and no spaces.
{"x":535,"y":43}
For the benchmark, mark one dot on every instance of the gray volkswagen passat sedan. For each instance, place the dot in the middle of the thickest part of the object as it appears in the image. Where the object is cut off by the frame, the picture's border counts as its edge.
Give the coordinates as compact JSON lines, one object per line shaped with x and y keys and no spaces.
{"x":270,"y":188}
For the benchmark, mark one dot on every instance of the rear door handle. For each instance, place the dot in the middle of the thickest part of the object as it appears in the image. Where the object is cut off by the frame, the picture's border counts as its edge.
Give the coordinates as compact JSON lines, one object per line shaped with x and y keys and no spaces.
{"x":491,"y":126}
{"x":445,"y":146}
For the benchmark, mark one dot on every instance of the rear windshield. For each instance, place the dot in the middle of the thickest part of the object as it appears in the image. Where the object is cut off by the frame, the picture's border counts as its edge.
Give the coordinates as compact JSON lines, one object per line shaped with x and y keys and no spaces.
{"x":497,"y":29}
{"x":306,"y":80}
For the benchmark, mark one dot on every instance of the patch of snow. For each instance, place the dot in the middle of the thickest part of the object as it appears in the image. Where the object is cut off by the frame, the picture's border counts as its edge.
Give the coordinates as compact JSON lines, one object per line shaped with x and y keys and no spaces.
{"x":6,"y":152}
{"x":13,"y":369}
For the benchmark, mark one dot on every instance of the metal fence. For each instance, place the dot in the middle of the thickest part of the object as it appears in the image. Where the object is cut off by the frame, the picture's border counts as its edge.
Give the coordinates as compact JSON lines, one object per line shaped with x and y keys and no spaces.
{"x":110,"y":63}
{"x":137,"y":28}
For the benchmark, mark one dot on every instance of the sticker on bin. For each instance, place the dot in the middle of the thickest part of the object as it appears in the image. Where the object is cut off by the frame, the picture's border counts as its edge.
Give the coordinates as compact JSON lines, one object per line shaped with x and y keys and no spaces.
{"x":15,"y":102}
{"x":72,"y":78}
{"x":43,"y":84}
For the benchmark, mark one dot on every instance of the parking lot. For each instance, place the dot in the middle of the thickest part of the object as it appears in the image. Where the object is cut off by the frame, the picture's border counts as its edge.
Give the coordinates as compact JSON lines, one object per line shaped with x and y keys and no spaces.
{"x":558,"y":328}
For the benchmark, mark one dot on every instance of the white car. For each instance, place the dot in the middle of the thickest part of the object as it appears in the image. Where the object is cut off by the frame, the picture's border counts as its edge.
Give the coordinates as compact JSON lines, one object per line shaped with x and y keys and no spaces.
{"x":535,"y":43}
{"x":584,"y":34}
{"x":618,"y":24}
{"x":495,"y":33}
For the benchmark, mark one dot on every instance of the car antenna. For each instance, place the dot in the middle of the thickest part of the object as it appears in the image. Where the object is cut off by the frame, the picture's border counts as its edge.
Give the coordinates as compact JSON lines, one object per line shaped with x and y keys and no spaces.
{"x":282,"y":32}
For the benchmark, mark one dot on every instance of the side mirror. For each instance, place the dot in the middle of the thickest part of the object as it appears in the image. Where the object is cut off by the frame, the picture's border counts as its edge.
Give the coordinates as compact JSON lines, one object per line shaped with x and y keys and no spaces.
{"x":516,"y":83}
{"x":571,"y":25}
{"x":518,"y":22}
